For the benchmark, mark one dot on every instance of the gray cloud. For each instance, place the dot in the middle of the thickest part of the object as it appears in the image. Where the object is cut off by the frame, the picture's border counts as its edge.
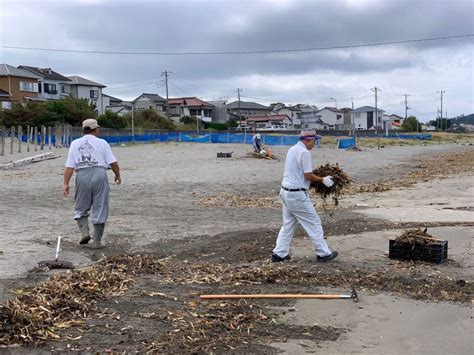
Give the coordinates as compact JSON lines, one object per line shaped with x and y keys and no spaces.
{"x":209,"y":26}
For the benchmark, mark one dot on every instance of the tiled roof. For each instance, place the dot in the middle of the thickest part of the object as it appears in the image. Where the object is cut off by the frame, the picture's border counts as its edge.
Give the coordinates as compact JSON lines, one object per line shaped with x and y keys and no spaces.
{"x":46,"y":73}
{"x":189,"y":101}
{"x":246,"y":105}
{"x":265,"y":118}
{"x":368,"y":109}
{"x":153,"y":97}
{"x":77,"y":80}
{"x":333,"y":109}
{"x":8,"y":70}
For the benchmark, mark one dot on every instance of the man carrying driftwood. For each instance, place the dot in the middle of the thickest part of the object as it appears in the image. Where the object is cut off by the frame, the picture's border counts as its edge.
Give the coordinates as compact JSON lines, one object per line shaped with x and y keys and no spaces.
{"x":90,"y":156}
{"x":297,"y":206}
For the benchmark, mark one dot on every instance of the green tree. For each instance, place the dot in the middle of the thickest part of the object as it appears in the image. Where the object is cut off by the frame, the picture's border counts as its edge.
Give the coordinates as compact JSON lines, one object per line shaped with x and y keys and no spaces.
{"x":411,"y":124}
{"x":150,"y":119}
{"x":111,"y":119}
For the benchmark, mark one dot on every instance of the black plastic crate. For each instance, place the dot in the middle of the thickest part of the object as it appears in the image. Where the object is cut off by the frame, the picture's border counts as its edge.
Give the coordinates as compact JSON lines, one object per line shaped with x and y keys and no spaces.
{"x":435,"y":253}
{"x":224,"y":155}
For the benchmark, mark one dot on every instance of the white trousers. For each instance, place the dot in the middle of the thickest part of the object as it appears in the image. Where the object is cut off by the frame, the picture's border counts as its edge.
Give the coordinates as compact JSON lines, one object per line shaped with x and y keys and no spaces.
{"x":298,"y":207}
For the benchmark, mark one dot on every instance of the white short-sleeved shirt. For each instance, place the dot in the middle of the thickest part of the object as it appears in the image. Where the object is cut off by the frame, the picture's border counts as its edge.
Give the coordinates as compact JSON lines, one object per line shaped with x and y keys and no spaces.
{"x":89,"y":151}
{"x":298,"y":161}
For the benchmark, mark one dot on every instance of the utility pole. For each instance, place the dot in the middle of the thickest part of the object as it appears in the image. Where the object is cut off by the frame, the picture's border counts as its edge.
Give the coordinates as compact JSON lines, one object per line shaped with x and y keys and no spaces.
{"x":133,"y":121}
{"x":166,"y":74}
{"x":352,"y":117}
{"x":406,"y":106}
{"x":240,"y":116}
{"x":375,"y":89}
{"x":441,"y":110}
{"x":238,"y":95}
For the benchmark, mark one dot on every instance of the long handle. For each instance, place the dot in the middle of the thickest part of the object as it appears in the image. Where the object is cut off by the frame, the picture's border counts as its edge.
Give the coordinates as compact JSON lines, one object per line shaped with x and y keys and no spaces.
{"x":209,"y":297}
{"x":57,"y":247}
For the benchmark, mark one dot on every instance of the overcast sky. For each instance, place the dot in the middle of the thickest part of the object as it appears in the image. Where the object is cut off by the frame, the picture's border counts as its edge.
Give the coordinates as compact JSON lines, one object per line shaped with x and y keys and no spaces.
{"x":419,"y":69}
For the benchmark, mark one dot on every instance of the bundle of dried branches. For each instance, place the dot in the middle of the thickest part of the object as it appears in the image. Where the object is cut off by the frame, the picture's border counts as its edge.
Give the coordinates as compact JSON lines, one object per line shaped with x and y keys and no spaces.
{"x":269,"y":155}
{"x":37,"y":314}
{"x":340,"y":181}
{"x":417,"y":237}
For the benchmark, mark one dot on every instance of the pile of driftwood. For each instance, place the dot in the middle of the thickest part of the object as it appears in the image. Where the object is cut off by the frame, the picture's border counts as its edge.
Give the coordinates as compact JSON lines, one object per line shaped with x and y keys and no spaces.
{"x":39,"y":314}
{"x":417,"y":237}
{"x":340,"y":179}
{"x":268,"y":155}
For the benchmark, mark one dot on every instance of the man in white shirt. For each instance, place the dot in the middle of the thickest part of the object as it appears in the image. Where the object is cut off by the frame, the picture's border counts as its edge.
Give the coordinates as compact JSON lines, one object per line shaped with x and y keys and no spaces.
{"x":90,"y":156}
{"x":297,"y":206}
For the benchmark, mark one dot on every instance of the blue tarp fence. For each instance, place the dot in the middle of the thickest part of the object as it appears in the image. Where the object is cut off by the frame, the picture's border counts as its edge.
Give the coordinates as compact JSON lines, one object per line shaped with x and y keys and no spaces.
{"x":214,"y":137}
{"x":345,"y":143}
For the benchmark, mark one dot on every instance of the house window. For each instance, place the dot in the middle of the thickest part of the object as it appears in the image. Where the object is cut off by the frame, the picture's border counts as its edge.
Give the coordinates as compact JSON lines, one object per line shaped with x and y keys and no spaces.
{"x":65,"y":89}
{"x":94,"y":94}
{"x":50,"y":89}
{"x":28,"y":86}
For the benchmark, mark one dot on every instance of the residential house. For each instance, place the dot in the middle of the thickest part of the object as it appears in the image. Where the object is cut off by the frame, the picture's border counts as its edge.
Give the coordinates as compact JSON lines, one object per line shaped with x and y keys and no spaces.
{"x":17,"y":85}
{"x":116,"y":105}
{"x":331,"y":118}
{"x":190,"y":106}
{"x":245,"y":109}
{"x":309,"y":118}
{"x":269,"y":122}
{"x":348,"y":117}
{"x":365,"y":118}
{"x":150,"y":101}
{"x":219,"y":114}
{"x":51,"y":85}
{"x":393,"y":121}
{"x":293,"y":112}
{"x":82,"y":88}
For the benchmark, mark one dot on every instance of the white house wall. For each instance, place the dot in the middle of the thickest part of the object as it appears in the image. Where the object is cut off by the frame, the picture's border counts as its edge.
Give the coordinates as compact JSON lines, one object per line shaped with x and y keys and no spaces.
{"x":329,"y":117}
{"x":84,"y":92}
{"x":48,"y":96}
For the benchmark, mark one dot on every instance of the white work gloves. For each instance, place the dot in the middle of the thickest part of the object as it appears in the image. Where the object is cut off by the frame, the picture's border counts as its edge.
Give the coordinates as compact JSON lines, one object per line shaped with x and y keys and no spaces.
{"x":328,"y":181}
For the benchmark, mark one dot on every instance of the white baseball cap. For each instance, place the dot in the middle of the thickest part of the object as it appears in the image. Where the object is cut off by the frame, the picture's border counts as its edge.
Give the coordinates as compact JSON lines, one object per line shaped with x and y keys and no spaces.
{"x":90,"y":123}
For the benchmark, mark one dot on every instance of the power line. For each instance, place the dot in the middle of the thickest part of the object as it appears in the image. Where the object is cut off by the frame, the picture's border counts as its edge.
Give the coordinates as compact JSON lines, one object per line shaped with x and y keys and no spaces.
{"x":293,"y":50}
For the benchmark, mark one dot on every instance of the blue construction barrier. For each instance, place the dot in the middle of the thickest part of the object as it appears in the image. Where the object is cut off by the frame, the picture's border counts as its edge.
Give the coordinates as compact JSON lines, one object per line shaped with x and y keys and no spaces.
{"x":346,"y":143}
{"x":219,"y":137}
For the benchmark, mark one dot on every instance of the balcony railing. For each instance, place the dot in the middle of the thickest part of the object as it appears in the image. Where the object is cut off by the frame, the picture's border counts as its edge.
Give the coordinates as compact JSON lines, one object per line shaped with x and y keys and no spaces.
{"x":52,"y":92}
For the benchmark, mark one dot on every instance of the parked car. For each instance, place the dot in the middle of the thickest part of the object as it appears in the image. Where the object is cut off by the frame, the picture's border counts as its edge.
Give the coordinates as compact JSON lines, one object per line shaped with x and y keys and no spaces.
{"x":274,"y":128}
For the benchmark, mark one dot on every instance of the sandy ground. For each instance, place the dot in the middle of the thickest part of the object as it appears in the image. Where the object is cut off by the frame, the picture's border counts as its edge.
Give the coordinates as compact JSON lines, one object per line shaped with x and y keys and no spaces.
{"x":157,"y":204}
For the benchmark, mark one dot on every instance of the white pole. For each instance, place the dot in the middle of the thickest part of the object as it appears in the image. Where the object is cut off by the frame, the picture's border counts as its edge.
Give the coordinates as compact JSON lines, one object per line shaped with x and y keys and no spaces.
{"x":133,"y":121}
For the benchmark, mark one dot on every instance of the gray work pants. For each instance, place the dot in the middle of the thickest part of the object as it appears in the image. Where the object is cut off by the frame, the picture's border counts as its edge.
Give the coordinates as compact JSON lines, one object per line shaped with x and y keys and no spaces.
{"x":92,"y":191}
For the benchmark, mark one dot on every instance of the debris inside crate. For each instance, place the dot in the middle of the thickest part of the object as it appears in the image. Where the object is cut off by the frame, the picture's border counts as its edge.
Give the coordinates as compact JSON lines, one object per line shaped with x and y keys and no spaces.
{"x":417,"y":237}
{"x":417,"y":244}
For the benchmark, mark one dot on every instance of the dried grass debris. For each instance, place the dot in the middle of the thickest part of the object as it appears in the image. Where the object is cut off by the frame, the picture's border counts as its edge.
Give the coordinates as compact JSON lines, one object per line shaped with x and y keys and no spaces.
{"x":38,"y":314}
{"x":417,"y":237}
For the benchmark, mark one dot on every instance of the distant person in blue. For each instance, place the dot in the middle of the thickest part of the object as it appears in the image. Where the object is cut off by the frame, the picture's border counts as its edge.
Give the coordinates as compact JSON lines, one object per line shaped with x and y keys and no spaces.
{"x":256,"y":143}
